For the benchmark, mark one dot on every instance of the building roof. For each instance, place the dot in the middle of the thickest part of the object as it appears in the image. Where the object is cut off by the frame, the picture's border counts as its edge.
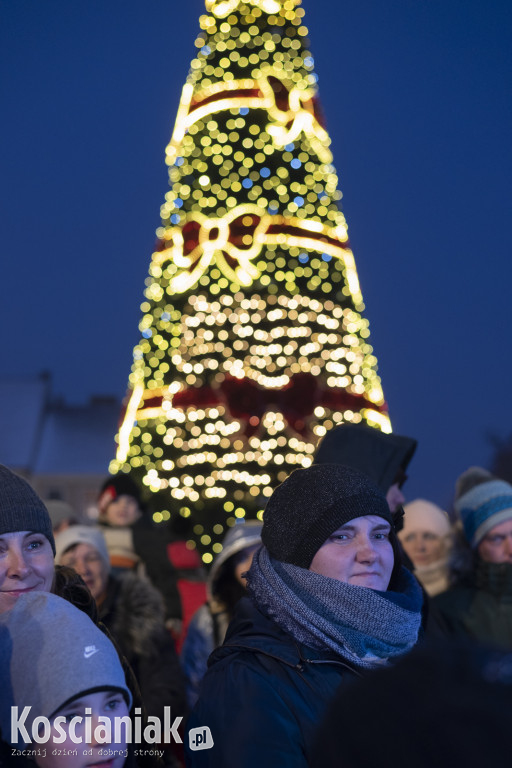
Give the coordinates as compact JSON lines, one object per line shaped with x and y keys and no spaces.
{"x":78,"y":439}
{"x":23,"y":402}
{"x":41,"y":435}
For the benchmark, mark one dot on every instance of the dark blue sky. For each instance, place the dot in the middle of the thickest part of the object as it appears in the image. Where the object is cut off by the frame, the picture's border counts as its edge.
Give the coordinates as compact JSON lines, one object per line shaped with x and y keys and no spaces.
{"x":417,"y":98}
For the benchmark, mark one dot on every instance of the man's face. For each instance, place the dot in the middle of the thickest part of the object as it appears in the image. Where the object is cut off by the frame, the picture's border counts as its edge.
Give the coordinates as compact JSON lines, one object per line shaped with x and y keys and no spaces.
{"x":26,"y":564}
{"x":496,"y":546}
{"x":124,"y":510}
{"x":86,"y":561}
{"x":359,"y":553}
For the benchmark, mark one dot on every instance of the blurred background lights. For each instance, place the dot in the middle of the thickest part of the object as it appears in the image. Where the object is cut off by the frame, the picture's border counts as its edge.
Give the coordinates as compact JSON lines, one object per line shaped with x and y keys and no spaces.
{"x":253,"y":340}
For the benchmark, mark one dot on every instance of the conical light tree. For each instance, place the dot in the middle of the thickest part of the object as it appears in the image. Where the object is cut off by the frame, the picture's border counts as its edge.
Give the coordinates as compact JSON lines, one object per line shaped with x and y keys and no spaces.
{"x":253,"y":343}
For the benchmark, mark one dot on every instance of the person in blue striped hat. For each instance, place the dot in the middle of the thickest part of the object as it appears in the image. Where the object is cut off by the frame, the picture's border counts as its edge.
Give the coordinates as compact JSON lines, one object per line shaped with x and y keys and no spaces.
{"x":479,"y":604}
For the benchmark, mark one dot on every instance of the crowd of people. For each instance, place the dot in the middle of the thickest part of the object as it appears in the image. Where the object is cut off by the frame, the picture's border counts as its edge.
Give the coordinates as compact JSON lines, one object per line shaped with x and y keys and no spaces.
{"x":345,"y":614}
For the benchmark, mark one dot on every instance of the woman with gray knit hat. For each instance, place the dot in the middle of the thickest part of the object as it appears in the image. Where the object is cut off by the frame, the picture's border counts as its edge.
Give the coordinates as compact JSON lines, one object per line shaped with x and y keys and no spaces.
{"x":27,"y":549}
{"x":329,"y":599}
{"x":479,"y":603}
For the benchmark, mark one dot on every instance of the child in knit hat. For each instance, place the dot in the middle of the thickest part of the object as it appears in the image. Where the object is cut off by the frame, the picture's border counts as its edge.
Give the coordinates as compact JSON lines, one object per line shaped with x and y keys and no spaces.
{"x":65,"y":679}
{"x":135,"y":543}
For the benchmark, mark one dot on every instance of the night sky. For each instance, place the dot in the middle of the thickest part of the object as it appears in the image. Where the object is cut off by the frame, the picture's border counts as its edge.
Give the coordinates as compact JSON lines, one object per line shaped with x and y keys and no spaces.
{"x":417,"y":100}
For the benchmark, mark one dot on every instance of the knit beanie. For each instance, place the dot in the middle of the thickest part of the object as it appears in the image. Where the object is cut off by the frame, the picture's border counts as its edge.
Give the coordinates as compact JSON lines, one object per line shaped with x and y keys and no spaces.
{"x":471,"y":477}
{"x":81,"y":534}
{"x":421,"y":515}
{"x":313,"y":503}
{"x":50,"y":653}
{"x":483,"y":506}
{"x":21,"y":509}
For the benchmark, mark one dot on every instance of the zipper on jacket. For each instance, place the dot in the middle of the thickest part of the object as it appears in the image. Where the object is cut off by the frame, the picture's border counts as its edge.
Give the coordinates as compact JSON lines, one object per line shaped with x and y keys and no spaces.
{"x":333,"y":661}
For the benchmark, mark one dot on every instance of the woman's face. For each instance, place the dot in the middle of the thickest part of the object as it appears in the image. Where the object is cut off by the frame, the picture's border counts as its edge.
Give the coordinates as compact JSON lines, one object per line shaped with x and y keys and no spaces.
{"x":26,"y":565}
{"x":359,"y":553}
{"x":423,"y":547}
{"x":88,"y":563}
{"x":79,"y":750}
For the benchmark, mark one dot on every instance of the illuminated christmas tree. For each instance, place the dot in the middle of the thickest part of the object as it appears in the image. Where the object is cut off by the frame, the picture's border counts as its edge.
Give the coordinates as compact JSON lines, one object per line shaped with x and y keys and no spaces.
{"x":253,"y":340}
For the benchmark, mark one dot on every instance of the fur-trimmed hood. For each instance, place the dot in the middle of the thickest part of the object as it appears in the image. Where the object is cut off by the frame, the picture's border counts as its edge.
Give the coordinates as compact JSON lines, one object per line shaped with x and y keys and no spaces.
{"x":133,"y":611}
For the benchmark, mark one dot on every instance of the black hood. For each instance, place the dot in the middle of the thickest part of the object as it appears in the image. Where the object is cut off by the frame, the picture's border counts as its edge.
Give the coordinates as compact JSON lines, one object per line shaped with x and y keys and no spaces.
{"x":379,"y":455}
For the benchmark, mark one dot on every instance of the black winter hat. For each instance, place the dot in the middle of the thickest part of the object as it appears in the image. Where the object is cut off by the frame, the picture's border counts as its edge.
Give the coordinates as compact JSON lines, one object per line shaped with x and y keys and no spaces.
{"x":21,"y":509}
{"x":311,"y":504}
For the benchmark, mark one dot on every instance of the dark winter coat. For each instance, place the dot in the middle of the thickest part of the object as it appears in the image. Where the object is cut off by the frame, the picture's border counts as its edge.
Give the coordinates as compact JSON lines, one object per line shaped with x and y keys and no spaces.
{"x":480,"y":607}
{"x":133,"y":613}
{"x":285,"y":685}
{"x":150,"y":547}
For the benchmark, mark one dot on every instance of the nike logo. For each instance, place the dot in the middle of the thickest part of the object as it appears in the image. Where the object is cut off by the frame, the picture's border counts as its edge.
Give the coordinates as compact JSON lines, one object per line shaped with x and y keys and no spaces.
{"x":90,"y":651}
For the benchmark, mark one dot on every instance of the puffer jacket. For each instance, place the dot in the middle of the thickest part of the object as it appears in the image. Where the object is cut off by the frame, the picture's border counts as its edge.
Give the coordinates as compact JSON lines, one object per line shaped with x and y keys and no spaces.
{"x":287,"y":686}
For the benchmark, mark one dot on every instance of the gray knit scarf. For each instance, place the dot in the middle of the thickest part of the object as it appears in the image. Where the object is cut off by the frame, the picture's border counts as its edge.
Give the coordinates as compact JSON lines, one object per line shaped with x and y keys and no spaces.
{"x":362,"y":625}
